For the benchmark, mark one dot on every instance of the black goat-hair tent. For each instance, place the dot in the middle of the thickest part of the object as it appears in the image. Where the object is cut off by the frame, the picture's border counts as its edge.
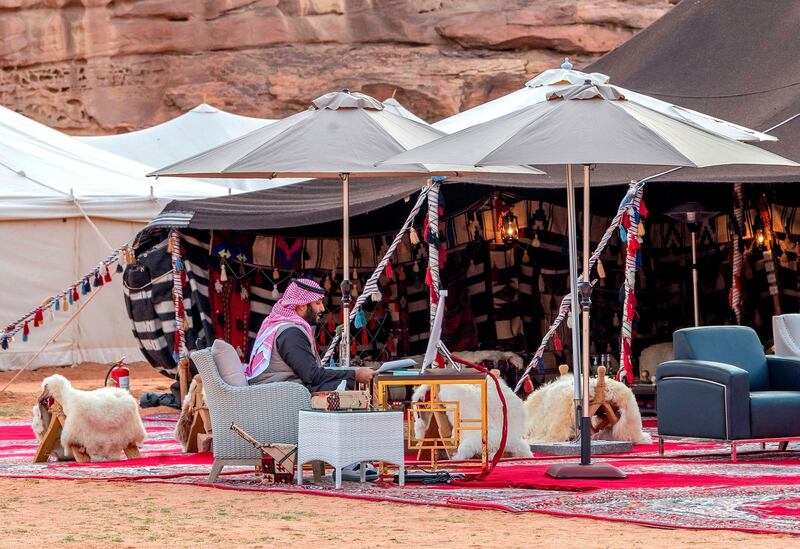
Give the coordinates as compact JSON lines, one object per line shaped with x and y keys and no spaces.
{"x":502,"y":296}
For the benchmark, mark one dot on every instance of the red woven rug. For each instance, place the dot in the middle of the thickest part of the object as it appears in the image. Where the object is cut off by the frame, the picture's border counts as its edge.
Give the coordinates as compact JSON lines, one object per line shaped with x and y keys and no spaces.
{"x":696,"y":486}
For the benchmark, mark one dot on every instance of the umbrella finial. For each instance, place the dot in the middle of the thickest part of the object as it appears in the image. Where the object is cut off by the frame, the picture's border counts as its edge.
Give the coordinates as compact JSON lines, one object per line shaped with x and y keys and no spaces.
{"x":346,"y":90}
{"x":566,"y":65}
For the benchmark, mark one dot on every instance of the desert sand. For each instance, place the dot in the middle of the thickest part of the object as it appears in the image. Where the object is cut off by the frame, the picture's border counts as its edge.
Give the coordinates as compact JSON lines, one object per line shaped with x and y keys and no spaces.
{"x":111,"y":514}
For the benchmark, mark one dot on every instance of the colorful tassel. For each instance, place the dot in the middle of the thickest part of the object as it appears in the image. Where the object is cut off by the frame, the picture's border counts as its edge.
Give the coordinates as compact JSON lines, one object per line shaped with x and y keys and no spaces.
{"x":413,"y":236}
{"x":643,"y":211}
{"x":119,"y":268}
{"x":332,"y":363}
{"x":64,"y":304}
{"x":38,"y":318}
{"x":179,"y":265}
{"x":428,"y":278}
{"x":389,"y":271}
{"x":527,"y":385}
{"x":601,"y":270}
{"x":275,"y":274}
{"x":26,"y":330}
{"x":223,"y":273}
{"x":107,"y":276}
{"x":4,"y":343}
{"x":74,"y":296}
{"x":557,"y":345}
{"x":623,"y":235}
{"x":275,"y":291}
{"x":358,"y":322}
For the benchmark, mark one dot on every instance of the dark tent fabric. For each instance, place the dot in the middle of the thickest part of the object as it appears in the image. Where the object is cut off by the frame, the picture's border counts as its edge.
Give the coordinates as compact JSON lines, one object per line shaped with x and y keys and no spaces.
{"x":315,"y":202}
{"x":734,"y":59}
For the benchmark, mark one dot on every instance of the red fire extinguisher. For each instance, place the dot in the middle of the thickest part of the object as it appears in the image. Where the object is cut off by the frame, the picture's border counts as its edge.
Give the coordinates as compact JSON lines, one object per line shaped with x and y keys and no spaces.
{"x":119,"y":376}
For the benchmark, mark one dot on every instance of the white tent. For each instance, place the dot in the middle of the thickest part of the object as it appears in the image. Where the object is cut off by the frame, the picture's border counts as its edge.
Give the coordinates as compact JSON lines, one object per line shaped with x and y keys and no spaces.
{"x":50,"y":184}
{"x":394,"y":106}
{"x":200,"y":129}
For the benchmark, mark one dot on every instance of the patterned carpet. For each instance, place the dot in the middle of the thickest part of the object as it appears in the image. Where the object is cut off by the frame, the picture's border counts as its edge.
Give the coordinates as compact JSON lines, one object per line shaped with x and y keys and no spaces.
{"x":696,"y":486}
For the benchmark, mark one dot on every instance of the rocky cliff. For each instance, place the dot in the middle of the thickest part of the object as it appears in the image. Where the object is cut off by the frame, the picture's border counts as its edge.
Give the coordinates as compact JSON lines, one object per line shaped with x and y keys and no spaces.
{"x":105,"y":66}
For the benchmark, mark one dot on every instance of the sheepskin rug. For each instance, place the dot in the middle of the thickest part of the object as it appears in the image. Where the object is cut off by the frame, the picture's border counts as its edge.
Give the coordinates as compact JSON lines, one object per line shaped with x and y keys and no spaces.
{"x":469,"y":403}
{"x":101,"y":423}
{"x":551,"y":414}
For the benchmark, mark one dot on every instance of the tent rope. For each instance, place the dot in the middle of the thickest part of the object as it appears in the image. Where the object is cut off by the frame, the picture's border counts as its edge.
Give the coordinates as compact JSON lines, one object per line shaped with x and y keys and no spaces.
{"x":628,"y":307}
{"x":371,"y":286}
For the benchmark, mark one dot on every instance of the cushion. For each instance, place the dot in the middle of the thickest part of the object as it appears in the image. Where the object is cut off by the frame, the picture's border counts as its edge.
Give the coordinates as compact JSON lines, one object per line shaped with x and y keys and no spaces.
{"x":774,"y":414}
{"x":228,"y":364}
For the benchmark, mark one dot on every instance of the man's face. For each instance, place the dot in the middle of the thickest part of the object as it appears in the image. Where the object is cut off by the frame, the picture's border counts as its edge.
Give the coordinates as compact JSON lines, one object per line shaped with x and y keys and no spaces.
{"x":312,"y":313}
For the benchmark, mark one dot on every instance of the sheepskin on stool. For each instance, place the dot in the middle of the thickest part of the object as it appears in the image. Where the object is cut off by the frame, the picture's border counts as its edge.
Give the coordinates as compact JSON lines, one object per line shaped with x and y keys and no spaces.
{"x":469,"y":404}
{"x":40,"y":423}
{"x":99,"y":424}
{"x":551,"y":413}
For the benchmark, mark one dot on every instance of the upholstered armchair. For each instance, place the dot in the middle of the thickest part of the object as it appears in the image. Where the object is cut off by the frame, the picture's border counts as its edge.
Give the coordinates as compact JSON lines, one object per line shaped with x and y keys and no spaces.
{"x":722,"y":386}
{"x":270,"y":413}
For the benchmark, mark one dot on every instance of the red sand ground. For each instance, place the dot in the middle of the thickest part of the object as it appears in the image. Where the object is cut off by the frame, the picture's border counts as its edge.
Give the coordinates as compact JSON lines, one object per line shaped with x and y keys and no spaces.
{"x":102,"y":514}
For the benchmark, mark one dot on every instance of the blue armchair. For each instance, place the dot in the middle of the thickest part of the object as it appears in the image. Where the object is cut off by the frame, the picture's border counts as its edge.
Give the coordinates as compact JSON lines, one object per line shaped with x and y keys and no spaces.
{"x":721,"y":386}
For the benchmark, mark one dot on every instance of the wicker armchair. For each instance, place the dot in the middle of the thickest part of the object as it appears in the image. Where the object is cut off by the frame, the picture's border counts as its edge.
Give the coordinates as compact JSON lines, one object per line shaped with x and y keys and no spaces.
{"x":270,"y":413}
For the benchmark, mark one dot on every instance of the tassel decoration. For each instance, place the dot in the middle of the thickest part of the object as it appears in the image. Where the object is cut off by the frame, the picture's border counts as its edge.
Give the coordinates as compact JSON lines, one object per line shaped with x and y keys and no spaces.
{"x":75,"y":296}
{"x":38,"y":318}
{"x":623,"y":235}
{"x":525,"y":257}
{"x":557,"y":345}
{"x":223,"y":273}
{"x":389,"y":271}
{"x":64,"y":304}
{"x":643,"y":211}
{"x":413,"y":236}
{"x":26,"y":330}
{"x":527,"y":385}
{"x":4,"y":343}
{"x":275,"y":274}
{"x":119,"y":268}
{"x":275,"y":291}
{"x":601,"y":270}
{"x":107,"y":276}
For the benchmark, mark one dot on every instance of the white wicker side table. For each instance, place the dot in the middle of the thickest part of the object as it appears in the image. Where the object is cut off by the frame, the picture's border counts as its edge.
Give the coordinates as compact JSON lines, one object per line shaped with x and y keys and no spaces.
{"x":343,"y":438}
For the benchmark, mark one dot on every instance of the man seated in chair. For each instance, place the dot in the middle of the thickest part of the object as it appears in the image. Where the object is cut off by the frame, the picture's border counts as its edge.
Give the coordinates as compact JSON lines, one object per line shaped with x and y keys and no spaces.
{"x":284,"y":349}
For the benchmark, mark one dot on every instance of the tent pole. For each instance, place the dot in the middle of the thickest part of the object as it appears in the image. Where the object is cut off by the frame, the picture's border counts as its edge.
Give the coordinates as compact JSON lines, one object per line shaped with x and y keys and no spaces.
{"x":344,"y":349}
{"x":694,"y":278}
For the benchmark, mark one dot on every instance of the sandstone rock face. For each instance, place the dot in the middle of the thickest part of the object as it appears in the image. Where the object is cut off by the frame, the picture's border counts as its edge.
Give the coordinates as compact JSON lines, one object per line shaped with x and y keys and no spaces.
{"x":106,"y":66}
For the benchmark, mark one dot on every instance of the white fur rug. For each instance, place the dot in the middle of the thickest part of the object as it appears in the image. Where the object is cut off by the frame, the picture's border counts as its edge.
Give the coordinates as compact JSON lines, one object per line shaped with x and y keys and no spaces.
{"x":551,"y":414}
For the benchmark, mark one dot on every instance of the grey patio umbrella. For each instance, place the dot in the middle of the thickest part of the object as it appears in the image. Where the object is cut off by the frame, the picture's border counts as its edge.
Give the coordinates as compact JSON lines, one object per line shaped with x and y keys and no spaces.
{"x":586,"y":124}
{"x":342,"y":134}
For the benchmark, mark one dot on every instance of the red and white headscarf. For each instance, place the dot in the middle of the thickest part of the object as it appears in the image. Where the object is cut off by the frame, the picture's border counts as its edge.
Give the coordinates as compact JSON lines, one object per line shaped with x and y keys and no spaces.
{"x":301,"y":291}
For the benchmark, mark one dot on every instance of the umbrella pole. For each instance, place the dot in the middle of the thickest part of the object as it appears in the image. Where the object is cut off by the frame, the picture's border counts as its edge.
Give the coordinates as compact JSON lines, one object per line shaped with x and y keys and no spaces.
{"x":344,"y":349}
{"x":573,"y":285}
{"x":586,"y":469}
{"x":586,"y":302}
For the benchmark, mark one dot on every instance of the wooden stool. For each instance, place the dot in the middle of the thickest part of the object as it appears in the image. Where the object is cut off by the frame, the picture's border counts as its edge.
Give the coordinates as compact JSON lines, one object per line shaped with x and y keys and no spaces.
{"x":600,"y":407}
{"x":53,"y":435}
{"x":201,"y":419}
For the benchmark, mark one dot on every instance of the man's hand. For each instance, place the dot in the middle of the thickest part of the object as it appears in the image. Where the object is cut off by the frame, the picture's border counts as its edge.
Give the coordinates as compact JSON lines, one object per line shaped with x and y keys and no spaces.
{"x":365,"y":375}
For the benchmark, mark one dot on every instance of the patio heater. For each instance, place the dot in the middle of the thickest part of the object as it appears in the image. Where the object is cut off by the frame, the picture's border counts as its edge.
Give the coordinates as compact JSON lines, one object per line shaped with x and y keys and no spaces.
{"x":692,"y":214}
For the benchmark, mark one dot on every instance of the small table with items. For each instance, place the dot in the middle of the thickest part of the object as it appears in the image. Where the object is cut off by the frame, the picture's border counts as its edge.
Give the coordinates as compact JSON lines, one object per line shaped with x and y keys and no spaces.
{"x":434,"y":378}
{"x":344,"y":437}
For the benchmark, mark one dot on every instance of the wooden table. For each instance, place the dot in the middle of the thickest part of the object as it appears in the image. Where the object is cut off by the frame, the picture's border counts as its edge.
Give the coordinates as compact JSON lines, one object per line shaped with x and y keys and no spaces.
{"x":434,"y":378}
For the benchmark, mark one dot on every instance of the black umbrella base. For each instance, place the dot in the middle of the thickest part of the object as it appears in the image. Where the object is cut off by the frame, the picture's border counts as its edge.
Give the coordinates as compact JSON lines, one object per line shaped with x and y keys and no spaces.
{"x":576,"y":470}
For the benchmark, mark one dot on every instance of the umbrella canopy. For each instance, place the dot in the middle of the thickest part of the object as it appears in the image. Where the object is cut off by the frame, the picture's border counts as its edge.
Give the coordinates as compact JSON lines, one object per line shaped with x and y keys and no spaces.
{"x":539,"y":88}
{"x":395,"y":107}
{"x":588,"y":124}
{"x":342,"y":132}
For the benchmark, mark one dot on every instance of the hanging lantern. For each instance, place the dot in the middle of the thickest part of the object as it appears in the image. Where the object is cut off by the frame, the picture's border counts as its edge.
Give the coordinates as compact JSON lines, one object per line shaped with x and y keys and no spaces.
{"x":510,"y":227}
{"x":760,"y":238}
